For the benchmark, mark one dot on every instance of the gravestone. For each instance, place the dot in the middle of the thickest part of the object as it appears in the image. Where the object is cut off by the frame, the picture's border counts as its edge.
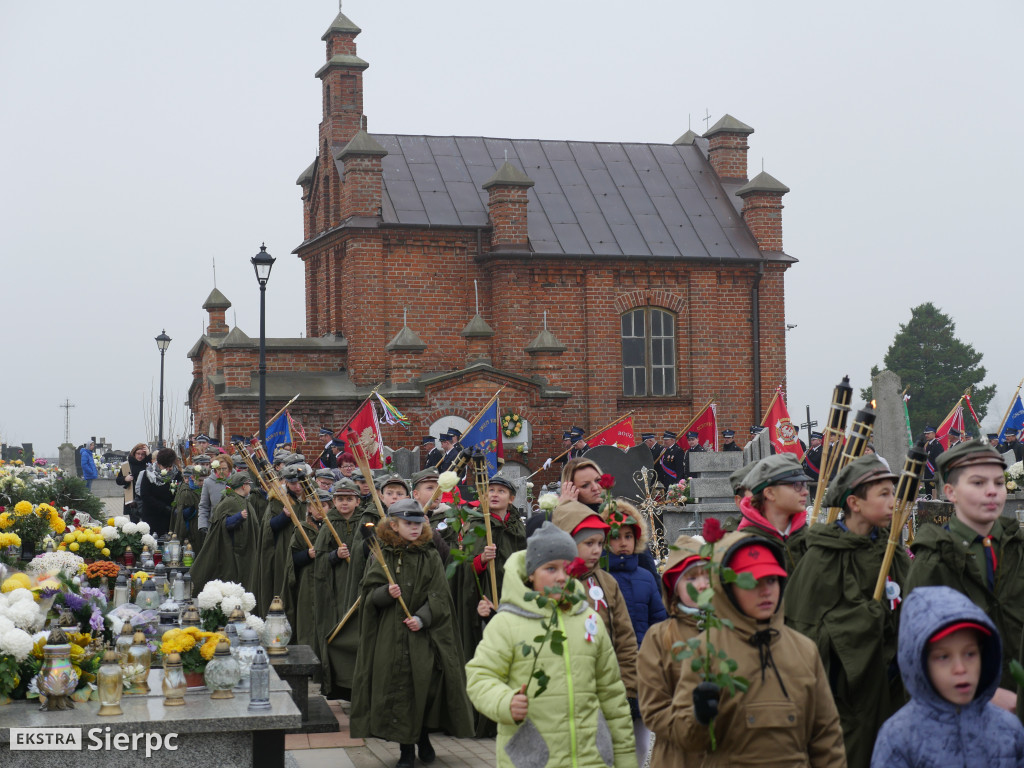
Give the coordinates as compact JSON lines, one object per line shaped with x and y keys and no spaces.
{"x":890,"y":435}
{"x":67,"y":458}
{"x":623,"y":466}
{"x":710,"y":492}
{"x":405,"y":462}
{"x":518,"y":474}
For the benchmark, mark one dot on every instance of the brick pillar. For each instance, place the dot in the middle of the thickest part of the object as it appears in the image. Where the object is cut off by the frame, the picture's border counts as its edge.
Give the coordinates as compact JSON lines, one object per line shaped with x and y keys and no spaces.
{"x":762,"y":210}
{"x":362,"y":189}
{"x":507,"y":200}
{"x":545,"y":353}
{"x":727,"y":148}
{"x":404,"y":357}
{"x":217,"y":305}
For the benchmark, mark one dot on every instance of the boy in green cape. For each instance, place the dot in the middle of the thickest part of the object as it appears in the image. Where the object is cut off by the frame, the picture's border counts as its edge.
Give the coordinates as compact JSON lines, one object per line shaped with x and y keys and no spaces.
{"x":229,"y":553}
{"x":409,"y":677}
{"x":299,"y":595}
{"x":977,"y":552}
{"x":184,"y":520}
{"x":332,"y":570}
{"x":830,"y":599}
{"x":276,"y":536}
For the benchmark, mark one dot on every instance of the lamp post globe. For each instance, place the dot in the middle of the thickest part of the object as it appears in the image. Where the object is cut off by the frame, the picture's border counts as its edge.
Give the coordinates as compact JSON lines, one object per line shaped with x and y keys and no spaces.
{"x":163,"y":341}
{"x":262,"y":263}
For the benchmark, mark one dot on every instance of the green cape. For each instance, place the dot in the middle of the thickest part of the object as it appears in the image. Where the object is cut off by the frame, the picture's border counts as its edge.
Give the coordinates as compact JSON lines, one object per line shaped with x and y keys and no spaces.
{"x":829,"y":598}
{"x":406,"y":682}
{"x":186,"y":530}
{"x":338,"y":658}
{"x":299,"y":594}
{"x":228,"y":555}
{"x":275,"y":553}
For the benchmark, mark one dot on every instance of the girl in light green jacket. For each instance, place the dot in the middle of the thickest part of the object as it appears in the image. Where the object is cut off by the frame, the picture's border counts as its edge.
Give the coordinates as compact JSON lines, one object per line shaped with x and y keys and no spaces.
{"x":582,"y":719}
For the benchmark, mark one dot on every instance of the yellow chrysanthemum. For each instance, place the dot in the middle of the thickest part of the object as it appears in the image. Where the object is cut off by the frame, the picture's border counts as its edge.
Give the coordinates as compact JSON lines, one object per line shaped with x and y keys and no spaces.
{"x":9,"y":540}
{"x":185,"y":643}
{"x":16,"y":581}
{"x":6,"y":521}
{"x":110,"y":522}
{"x":208,"y":649}
{"x":45,"y":509}
{"x":57,"y":524}
{"x":23,"y":508}
{"x":105,"y":551}
{"x":73,"y":546}
{"x":194,"y":631}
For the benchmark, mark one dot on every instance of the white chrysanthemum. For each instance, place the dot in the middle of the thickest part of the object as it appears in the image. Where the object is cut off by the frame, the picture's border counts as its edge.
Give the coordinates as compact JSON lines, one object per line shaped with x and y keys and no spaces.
{"x":108,"y":532}
{"x":208,"y":599}
{"x":148,"y":541}
{"x":24,"y":615}
{"x":20,"y":595}
{"x":548,"y":501}
{"x":248,"y":601}
{"x":254,"y":622}
{"x":142,"y":527}
{"x":232,"y":589}
{"x":16,"y":643}
{"x":5,"y":624}
{"x":129,"y":528}
{"x":229,"y":603}
{"x":52,"y":562}
{"x":121,"y":520}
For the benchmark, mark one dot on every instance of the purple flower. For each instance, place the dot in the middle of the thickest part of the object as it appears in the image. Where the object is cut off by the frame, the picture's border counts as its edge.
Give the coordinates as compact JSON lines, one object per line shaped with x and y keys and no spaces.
{"x":49,"y":592}
{"x":74,"y":603}
{"x":96,"y":595}
{"x":96,"y":620}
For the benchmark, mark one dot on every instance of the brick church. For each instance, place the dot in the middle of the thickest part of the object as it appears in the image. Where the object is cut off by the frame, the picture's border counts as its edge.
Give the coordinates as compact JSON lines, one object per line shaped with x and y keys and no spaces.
{"x":586,"y":278}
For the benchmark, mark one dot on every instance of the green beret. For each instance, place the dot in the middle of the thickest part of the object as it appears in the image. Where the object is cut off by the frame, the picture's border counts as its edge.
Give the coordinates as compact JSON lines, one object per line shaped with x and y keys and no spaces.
{"x":967,"y":453}
{"x":865,"y":469}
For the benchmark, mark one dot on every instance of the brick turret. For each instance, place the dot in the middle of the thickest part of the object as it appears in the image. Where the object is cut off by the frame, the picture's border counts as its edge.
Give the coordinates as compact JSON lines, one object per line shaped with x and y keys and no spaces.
{"x":506,"y":204}
{"x":363,"y":182}
{"x":762,"y":210}
{"x":727,"y":148}
{"x":217,"y":306}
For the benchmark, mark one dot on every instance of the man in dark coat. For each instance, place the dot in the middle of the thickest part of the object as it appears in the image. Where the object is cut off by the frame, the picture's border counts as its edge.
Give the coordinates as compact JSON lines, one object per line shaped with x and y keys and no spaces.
{"x":729,"y":441}
{"x":432,"y":454}
{"x":449,"y":449}
{"x":692,"y":446}
{"x":934,"y":449}
{"x":671,"y":464}
{"x":1012,"y":444}
{"x":579,"y":445}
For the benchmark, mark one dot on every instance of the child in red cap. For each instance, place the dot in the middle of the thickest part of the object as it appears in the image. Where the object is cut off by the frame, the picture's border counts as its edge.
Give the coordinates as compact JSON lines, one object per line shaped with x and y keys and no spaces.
{"x":786,"y":717}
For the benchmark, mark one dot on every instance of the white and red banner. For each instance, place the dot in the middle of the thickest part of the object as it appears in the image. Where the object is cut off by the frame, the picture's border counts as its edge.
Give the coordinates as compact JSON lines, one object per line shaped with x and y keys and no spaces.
{"x":781,"y":432}
{"x":619,"y":434}
{"x":362,"y":433}
{"x":955,"y":420}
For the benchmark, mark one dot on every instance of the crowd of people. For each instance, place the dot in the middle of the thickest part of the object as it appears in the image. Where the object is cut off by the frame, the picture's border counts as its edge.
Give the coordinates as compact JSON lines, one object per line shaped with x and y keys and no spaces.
{"x":560,"y":633}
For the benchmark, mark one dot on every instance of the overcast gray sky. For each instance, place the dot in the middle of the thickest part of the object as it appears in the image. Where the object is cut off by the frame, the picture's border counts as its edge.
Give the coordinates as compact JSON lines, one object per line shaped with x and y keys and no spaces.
{"x":139,"y":141}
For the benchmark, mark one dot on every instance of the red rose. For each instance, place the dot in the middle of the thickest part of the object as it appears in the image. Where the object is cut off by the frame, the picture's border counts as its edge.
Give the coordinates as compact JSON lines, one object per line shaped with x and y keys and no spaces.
{"x":576,"y":568}
{"x":712,"y":530}
{"x":606,"y":481}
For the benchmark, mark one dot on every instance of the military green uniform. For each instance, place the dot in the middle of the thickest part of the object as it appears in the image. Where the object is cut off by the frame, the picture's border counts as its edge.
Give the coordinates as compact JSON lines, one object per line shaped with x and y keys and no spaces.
{"x":275,"y":551}
{"x":184,"y":514}
{"x":299,"y":594}
{"x":408,"y":682}
{"x":468,"y":586}
{"x":331,"y":575}
{"x":830,"y":599}
{"x":954,"y":556}
{"x":228,"y":555}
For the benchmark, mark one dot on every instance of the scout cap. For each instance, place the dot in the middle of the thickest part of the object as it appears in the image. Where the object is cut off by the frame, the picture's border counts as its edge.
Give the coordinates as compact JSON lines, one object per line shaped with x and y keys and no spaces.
{"x":780,"y":469}
{"x":426,"y":474}
{"x":357,"y":474}
{"x":238,"y":479}
{"x":293,"y":473}
{"x":504,"y":482}
{"x":385,"y":480}
{"x":324,"y":497}
{"x":407,"y":509}
{"x":295,"y":458}
{"x":326,"y":474}
{"x":737,"y":478}
{"x":201,"y":459}
{"x":864,"y":469}
{"x":344,"y":487}
{"x":548,"y":543}
{"x":965,"y":454}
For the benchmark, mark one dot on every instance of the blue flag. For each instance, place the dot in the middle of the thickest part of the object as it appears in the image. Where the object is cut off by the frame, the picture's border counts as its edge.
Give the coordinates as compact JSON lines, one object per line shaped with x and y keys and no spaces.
{"x":485,"y":435}
{"x":1014,"y":421}
{"x":277,"y":433}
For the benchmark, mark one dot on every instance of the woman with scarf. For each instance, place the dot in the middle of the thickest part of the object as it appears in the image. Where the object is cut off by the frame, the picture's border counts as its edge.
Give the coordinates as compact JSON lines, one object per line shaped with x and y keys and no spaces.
{"x":128,"y":477}
{"x":156,"y":490}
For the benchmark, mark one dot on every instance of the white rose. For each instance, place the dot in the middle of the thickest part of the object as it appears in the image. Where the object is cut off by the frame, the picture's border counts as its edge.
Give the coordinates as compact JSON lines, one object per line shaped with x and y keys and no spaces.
{"x":447,"y":481}
{"x":129,"y":528}
{"x":142,"y":527}
{"x":548,"y":501}
{"x":108,"y":532}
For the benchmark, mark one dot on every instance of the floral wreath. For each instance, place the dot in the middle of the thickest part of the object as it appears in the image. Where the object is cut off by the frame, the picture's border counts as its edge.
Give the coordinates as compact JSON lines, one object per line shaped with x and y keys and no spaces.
{"x":511,"y":424}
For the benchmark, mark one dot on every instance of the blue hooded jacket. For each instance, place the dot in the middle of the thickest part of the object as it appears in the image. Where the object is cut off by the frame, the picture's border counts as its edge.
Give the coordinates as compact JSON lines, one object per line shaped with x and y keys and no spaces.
{"x":931,"y":731}
{"x":640,"y":591}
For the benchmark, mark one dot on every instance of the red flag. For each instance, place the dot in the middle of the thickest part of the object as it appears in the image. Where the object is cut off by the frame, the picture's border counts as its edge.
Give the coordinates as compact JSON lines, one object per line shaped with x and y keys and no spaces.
{"x":363,"y":433}
{"x":706,"y":427}
{"x":955,"y":420}
{"x":781,"y":431}
{"x":620,"y":435}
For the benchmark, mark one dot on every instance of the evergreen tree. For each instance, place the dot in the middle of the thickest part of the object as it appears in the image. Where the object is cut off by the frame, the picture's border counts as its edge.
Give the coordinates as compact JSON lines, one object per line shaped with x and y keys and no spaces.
{"x":936,"y":367}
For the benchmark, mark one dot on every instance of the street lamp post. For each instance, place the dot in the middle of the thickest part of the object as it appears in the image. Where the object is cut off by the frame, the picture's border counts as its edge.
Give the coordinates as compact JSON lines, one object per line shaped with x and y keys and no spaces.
{"x":163,"y":341}
{"x":262,"y":263}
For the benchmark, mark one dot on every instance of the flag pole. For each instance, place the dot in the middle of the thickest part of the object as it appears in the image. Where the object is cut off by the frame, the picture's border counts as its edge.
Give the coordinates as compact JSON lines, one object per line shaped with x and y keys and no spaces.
{"x":549,"y":462}
{"x":1009,"y":408}
{"x":699,"y":412}
{"x":357,"y":409}
{"x":477,"y":418}
{"x":272,"y":418}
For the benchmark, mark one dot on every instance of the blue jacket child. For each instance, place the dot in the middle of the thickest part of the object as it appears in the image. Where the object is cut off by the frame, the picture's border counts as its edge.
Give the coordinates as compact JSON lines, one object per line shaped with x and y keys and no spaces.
{"x":933,"y":731}
{"x":626,"y":540}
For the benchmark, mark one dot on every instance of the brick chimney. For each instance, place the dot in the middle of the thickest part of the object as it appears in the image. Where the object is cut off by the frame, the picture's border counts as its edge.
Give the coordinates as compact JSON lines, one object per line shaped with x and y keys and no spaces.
{"x":506,"y":204}
{"x":727,"y":148}
{"x":363,"y":182}
{"x":342,"y":78}
{"x":216,"y":305}
{"x":762,"y":210}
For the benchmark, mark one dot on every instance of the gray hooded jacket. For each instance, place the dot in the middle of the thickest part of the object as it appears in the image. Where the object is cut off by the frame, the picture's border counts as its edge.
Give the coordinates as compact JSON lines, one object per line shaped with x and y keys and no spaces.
{"x":931,"y":731}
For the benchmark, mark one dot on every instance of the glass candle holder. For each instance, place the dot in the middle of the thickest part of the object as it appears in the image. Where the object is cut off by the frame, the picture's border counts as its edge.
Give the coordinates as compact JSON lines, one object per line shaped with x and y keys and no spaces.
{"x":110,"y":684}
{"x":121,"y":590}
{"x":57,"y":678}
{"x":140,"y":658}
{"x":277,"y":630}
{"x":174,"y":684}
{"x":124,"y":642}
{"x":148,"y":598}
{"x":248,"y":644}
{"x":129,"y":557}
{"x":222,"y":672}
{"x":259,"y":681}
{"x":172,"y":551}
{"x":187,"y":556}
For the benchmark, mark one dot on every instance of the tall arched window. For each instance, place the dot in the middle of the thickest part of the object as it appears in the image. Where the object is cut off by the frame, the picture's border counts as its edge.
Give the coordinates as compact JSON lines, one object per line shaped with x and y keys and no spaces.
{"x":648,"y":353}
